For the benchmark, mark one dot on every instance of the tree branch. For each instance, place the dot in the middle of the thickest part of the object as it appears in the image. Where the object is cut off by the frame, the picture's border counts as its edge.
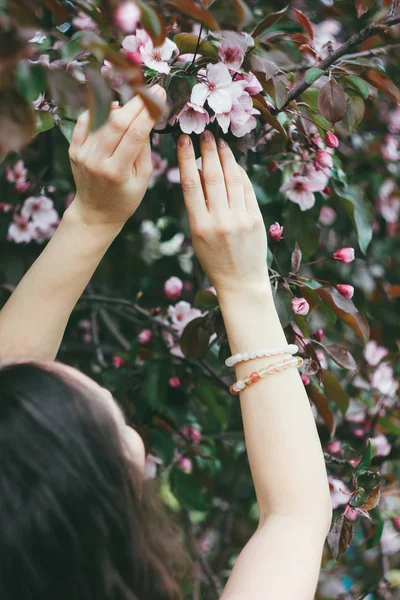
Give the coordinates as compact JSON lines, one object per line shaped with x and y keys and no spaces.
{"x":324,"y":65}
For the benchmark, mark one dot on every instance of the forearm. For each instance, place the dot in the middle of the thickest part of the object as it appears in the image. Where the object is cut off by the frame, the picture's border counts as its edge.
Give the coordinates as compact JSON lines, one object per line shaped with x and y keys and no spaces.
{"x":33,"y":321}
{"x":282,"y":442}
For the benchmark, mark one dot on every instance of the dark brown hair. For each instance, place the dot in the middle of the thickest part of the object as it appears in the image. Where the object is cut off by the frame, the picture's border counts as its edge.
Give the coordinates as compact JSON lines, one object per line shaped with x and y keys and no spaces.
{"x":74,"y":522}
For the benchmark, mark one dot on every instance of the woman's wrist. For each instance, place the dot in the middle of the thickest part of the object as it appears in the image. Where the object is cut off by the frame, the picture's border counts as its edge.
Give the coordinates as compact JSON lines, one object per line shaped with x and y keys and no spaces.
{"x":78,"y":219}
{"x":254,"y":295}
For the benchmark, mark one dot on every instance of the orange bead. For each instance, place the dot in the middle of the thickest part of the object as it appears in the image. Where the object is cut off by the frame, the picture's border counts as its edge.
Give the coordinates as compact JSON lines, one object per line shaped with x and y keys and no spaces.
{"x":254,"y":377}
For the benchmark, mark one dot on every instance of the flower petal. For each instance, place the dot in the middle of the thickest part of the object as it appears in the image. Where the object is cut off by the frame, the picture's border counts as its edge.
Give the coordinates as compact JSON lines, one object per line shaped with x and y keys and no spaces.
{"x":199,"y":94}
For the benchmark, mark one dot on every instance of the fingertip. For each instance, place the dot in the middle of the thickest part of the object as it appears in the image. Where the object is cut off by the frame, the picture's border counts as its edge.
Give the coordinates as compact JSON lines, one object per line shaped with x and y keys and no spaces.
{"x":222,"y":144}
{"x":184,"y":141}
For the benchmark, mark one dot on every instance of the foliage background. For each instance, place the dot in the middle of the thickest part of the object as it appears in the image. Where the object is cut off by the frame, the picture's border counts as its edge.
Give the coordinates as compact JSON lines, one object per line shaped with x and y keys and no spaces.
{"x":178,"y":400}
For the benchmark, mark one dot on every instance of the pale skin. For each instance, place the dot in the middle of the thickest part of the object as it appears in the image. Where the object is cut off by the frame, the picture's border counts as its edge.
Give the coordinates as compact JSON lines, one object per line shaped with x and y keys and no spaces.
{"x":112,"y":168}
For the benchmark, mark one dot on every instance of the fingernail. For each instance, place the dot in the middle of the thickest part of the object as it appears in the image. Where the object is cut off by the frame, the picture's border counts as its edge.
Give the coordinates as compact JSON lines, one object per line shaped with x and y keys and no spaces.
{"x":222,"y":143}
{"x":207,"y":136}
{"x":184,"y":140}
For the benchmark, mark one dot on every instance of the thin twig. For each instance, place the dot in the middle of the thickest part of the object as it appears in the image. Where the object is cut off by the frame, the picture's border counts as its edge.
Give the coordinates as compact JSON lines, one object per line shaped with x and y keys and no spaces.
{"x":392,"y":8}
{"x":344,"y":49}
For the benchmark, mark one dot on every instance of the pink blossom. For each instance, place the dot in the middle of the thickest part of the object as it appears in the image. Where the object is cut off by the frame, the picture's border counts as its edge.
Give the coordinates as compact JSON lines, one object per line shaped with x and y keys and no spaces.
{"x":305,"y":379}
{"x":394,"y":120}
{"x":193,"y":118}
{"x":173,"y":288}
{"x":159,"y":166}
{"x":388,"y":201}
{"x":358,"y":432}
{"x":150,"y":467}
{"x":22,"y":186}
{"x":185,"y":465}
{"x":344,"y":255}
{"x":322,"y":358}
{"x":240,"y":117}
{"x":373,"y":353}
{"x":41,"y":210}
{"x":181,"y":314}
{"x":83,"y":21}
{"x":339,"y":491}
{"x":216,"y":89}
{"x":174,"y":175}
{"x":157,"y":58}
{"x":396,"y":522}
{"x":253,"y":86}
{"x":382,"y":380}
{"x":381,"y":445}
{"x":134,"y":44}
{"x":118,"y":361}
{"x":390,"y":150}
{"x":276,"y":231}
{"x":206,"y":542}
{"x":300,"y":306}
{"x":21,"y":231}
{"x":331,"y":140}
{"x":4,"y":207}
{"x":323,"y":160}
{"x":300,"y":189}
{"x":192,"y":434}
{"x":231,"y":54}
{"x":346,"y":290}
{"x":335,"y":447}
{"x":127,"y":16}
{"x":18,"y":175}
{"x":145,"y":336}
{"x":174,"y":382}
{"x":327,"y":216}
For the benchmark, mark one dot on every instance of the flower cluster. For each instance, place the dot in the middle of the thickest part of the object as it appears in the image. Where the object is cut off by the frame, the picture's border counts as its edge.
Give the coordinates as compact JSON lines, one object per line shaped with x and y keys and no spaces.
{"x":37,"y":221}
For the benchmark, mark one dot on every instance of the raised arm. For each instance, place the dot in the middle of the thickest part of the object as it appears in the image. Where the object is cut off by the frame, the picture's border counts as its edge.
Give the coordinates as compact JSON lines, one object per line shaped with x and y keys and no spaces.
{"x":282,"y":559}
{"x":112,"y":168}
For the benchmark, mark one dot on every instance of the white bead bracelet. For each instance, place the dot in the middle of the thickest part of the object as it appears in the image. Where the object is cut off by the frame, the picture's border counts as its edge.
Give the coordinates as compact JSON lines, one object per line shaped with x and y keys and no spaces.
{"x":238,"y":358}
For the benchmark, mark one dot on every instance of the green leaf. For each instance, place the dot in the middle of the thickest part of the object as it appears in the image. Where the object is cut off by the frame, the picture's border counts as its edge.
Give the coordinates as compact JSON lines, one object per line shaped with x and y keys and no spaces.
{"x":44,"y":121}
{"x":210,"y":396}
{"x":31,"y":80}
{"x":335,"y":392}
{"x":155,"y":377}
{"x":365,"y":462}
{"x":188,"y":43}
{"x":388,"y":423}
{"x":66,"y":128}
{"x":313,"y":74}
{"x":310,"y":97}
{"x":195,"y":337}
{"x":185,"y":488}
{"x":162,"y":443}
{"x":354,"y":112}
{"x":283,"y":307}
{"x":359,"y":85}
{"x":360,"y":211}
{"x":206,"y":300}
{"x":100,"y":97}
{"x":302,"y":226}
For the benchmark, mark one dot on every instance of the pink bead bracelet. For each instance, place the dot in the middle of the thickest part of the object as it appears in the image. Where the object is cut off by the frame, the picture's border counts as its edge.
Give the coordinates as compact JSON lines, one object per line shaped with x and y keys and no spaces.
{"x":255,"y":376}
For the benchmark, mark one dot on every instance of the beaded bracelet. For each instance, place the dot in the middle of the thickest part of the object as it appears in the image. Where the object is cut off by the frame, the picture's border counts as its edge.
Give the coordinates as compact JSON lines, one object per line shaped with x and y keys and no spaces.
{"x":241,"y":384}
{"x":238,"y":358}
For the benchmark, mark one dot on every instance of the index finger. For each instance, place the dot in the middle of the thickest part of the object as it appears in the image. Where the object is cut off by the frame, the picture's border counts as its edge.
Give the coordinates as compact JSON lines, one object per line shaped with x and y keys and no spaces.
{"x":190,"y":180}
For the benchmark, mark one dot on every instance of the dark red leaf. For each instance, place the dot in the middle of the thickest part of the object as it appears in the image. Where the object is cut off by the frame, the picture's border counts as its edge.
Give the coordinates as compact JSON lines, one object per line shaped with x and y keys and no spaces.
{"x":321,"y":403}
{"x":340,"y":536}
{"x":152,"y":22}
{"x":332,"y":102}
{"x":363,"y":6}
{"x":193,"y":10}
{"x":373,"y":499}
{"x":100,"y":98}
{"x":341,"y":356}
{"x":346,"y":311}
{"x":58,"y":9}
{"x":335,"y":392}
{"x":296,"y":258}
{"x":260,"y":104}
{"x":14,"y":42}
{"x":305,"y":23}
{"x":244,"y":15}
{"x":66,"y":90}
{"x":155,"y":106}
{"x":17,"y":121}
{"x":268,"y":21}
{"x":195,"y":337}
{"x":383,"y":83}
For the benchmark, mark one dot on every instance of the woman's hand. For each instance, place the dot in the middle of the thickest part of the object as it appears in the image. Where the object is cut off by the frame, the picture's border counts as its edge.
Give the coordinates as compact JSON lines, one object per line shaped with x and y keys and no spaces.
{"x":112,"y":166}
{"x":228,"y":231}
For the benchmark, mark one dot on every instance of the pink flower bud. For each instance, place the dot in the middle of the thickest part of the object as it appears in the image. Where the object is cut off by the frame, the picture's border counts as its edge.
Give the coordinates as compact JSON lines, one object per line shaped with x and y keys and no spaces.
{"x":324,"y":159}
{"x":272,"y":167}
{"x":354,"y":462}
{"x":127,"y":16}
{"x":331,"y":140}
{"x":360,"y":433}
{"x":192,"y":434}
{"x":327,"y":190}
{"x":346,"y":290}
{"x":300,"y":306}
{"x":344,"y":255}
{"x":276,"y":231}
{"x":188,"y":286}
{"x":174,"y":382}
{"x":145,"y":336}
{"x":173,"y":288}
{"x":318,"y":335}
{"x":396,"y":522}
{"x":351,"y":513}
{"x":335,"y":447}
{"x":327,"y":215}
{"x":118,"y":361}
{"x":185,"y":465}
{"x":305,"y":379}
